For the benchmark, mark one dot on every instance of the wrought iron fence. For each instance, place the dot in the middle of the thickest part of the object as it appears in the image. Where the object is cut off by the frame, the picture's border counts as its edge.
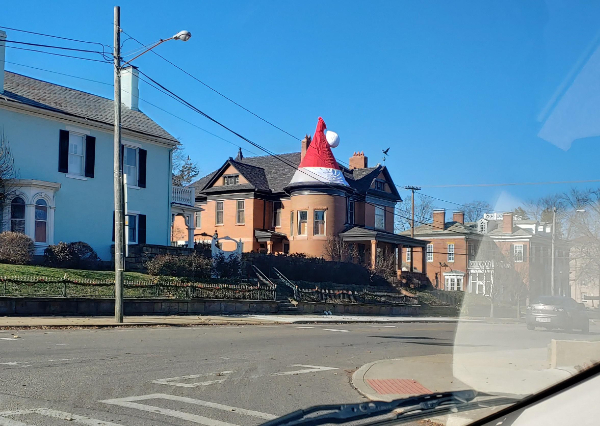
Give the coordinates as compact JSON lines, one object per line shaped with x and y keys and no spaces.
{"x":35,"y":286}
{"x":354,"y":296}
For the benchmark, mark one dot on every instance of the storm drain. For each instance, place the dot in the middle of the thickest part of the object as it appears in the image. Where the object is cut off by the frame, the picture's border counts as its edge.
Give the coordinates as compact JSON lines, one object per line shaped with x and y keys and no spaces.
{"x":397,"y":386}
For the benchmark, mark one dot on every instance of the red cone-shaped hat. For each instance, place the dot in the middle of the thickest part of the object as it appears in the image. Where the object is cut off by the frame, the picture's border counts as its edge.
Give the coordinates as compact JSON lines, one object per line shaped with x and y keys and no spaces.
{"x":319,"y":165}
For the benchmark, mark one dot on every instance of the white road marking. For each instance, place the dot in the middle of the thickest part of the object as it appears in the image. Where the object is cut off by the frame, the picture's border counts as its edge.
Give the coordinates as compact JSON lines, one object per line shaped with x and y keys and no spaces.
{"x":173,"y":381}
{"x":305,"y":327}
{"x":52,"y":413}
{"x":309,"y":369}
{"x":383,"y":326}
{"x":129,"y":403}
{"x":8,"y":338}
{"x":9,"y":363}
{"x":335,"y":329}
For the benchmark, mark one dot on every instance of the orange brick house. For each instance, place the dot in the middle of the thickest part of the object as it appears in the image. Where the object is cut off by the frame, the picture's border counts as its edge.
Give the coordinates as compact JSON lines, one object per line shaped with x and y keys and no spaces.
{"x":253,"y":199}
{"x":465,"y":256}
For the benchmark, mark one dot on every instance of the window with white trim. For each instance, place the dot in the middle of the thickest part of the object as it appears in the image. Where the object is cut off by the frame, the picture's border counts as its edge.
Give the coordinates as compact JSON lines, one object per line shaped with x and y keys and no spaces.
{"x":379,"y":217}
{"x":453,"y":283}
{"x":351,"y":211}
{"x":17,"y":215}
{"x":41,"y":221}
{"x":130,"y":164}
{"x":291,"y":224}
{"x":319,"y":224}
{"x":240,"y":217}
{"x":450,"y":252}
{"x":219,"y":213}
{"x":302,"y":222}
{"x":198,"y":220}
{"x":277,"y":206}
{"x":518,"y":253}
{"x":408,"y":253}
{"x":76,"y":154}
{"x":430,"y":252}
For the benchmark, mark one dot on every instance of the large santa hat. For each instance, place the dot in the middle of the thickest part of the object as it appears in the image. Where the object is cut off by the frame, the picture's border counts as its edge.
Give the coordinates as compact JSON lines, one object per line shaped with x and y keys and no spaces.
{"x":319,"y":165}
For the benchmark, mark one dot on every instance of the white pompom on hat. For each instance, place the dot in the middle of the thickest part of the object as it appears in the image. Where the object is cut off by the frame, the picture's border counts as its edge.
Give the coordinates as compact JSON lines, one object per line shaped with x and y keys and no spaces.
{"x":333,"y":139}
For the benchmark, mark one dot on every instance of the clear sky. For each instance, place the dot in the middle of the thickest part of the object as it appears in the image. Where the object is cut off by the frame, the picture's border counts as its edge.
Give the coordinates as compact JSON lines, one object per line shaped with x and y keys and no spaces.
{"x":462,"y":92}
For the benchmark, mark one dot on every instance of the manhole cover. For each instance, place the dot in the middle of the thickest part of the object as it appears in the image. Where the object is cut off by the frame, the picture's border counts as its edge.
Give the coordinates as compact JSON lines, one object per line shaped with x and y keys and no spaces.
{"x":397,"y":386}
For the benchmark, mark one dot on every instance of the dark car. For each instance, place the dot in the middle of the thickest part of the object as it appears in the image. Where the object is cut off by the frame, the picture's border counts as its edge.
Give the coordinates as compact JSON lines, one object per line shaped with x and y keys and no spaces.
{"x":557,"y":312}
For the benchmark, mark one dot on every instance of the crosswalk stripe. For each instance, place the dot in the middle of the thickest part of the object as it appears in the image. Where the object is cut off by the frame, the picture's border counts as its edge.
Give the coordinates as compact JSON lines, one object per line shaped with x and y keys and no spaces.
{"x":129,"y":402}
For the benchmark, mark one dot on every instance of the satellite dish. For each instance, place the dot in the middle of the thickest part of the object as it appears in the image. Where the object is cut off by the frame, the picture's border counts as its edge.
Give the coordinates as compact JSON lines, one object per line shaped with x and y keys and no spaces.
{"x":332,"y":138}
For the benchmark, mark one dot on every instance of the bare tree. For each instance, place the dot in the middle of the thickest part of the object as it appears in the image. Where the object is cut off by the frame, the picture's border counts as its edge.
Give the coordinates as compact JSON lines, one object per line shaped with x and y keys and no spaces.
{"x":423,"y":212}
{"x":475,"y":210}
{"x":337,"y":250}
{"x":184,"y":169}
{"x":8,"y":173}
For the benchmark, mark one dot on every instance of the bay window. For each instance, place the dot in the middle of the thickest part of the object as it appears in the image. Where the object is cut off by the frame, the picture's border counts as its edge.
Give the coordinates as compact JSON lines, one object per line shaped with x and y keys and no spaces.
{"x":319,"y":223}
{"x":41,"y":221}
{"x":17,"y":215}
{"x":302,"y":222}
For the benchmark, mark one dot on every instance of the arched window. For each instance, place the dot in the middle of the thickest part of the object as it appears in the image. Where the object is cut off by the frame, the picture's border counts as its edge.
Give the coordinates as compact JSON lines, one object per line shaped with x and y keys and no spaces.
{"x":17,"y":215}
{"x":41,"y":221}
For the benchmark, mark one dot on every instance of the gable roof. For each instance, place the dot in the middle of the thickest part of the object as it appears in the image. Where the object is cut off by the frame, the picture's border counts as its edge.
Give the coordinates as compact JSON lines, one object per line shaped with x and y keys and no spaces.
{"x":450,"y":228}
{"x":270,"y":174}
{"x":64,"y":100}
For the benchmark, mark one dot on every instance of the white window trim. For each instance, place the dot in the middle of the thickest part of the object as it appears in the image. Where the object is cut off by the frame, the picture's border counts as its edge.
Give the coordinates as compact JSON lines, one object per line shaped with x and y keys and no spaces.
{"x":132,"y":144}
{"x":324,"y":222}
{"x":408,"y":253}
{"x":84,"y":155}
{"x":77,"y":130}
{"x":298,"y":224}
{"x":198,"y":218}
{"x":522,"y":253}
{"x":451,"y":253}
{"x":77,"y":177}
{"x":280,"y":214}
{"x":428,"y":253}
{"x":137,"y":228}
{"x":217,"y":210}
{"x":137,"y":148}
{"x":237,"y":210}
{"x":47,"y":221}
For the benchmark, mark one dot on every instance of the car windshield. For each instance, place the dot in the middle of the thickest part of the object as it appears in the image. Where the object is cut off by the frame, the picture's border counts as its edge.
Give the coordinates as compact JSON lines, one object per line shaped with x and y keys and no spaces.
{"x":221,"y":213}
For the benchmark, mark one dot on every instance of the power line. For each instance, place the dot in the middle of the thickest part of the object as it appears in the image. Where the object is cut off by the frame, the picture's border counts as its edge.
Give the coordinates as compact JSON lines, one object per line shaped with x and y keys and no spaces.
{"x":59,"y":54}
{"x":215,"y":90}
{"x":470,"y":185}
{"x":443,"y":201}
{"x":59,"y":73}
{"x":55,"y":36}
{"x":49,"y":46}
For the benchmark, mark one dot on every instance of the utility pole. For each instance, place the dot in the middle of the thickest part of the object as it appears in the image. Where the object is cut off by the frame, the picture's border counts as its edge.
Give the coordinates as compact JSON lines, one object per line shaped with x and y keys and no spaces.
{"x":552,"y":260}
{"x":412,"y":221}
{"x":118,"y":175}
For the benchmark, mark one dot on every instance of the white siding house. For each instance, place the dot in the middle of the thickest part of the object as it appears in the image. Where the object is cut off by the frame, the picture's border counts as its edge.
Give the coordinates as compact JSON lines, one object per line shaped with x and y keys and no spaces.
{"x":62,"y":144}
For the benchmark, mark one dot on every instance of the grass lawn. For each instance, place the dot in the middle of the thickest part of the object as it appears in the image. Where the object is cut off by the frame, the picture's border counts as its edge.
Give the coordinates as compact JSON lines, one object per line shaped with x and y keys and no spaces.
{"x":56,"y":273}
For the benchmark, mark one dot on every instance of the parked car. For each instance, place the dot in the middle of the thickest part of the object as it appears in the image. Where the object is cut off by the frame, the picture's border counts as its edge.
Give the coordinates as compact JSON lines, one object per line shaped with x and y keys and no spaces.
{"x":557,"y":312}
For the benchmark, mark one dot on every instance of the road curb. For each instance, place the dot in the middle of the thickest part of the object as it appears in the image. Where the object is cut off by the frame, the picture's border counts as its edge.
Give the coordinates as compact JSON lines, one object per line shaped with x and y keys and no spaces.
{"x":358,"y":382}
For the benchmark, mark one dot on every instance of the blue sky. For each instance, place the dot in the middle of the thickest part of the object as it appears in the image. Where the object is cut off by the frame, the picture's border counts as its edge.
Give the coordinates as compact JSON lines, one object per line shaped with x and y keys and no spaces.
{"x":460,"y":91}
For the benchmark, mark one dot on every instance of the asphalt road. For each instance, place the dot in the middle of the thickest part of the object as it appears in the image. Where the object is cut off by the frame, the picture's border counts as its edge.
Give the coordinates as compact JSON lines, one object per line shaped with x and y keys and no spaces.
{"x":212,"y":375}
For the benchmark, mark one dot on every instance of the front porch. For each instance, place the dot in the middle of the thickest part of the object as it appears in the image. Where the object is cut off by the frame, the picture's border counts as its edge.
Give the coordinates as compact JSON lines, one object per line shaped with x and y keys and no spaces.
{"x":372,"y":244}
{"x":183,"y":216}
{"x":271,"y":242}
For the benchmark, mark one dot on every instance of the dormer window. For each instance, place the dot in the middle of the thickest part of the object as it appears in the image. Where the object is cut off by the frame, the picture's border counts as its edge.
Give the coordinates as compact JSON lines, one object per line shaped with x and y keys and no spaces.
{"x":231,"y":180}
{"x":380,"y":185}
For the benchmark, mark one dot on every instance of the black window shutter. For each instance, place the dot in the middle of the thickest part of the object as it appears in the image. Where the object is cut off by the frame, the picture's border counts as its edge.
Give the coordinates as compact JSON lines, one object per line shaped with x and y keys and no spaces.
{"x":90,"y":156}
{"x":63,"y":152}
{"x":142,"y":229}
{"x":142,"y":173}
{"x":113,"y":227}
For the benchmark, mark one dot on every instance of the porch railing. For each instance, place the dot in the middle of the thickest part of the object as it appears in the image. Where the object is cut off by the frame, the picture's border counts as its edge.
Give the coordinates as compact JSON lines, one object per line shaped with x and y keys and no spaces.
{"x":183,"y":195}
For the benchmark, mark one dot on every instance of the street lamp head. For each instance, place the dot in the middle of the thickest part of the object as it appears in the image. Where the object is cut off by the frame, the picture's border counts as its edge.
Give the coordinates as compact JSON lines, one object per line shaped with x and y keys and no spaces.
{"x":182,"y":35}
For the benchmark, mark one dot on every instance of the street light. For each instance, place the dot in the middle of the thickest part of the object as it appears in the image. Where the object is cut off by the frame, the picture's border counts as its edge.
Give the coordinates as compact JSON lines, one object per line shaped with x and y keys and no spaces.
{"x":181,"y":35}
{"x":118,"y":161}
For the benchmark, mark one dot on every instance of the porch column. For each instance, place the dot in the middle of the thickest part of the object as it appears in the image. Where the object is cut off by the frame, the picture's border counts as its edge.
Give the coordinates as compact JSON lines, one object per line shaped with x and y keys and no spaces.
{"x":269,"y":247}
{"x":191,"y":226}
{"x":399,"y":261}
{"x":373,"y":253}
{"x":424,"y":259}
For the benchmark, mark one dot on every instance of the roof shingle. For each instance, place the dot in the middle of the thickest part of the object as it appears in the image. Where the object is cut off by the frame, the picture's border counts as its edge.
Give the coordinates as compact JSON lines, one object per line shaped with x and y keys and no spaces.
{"x":64,"y":100}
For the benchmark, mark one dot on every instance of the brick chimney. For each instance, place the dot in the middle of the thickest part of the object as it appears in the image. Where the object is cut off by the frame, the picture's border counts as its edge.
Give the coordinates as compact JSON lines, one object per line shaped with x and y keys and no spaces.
{"x":439,"y":219}
{"x":458,"y":216}
{"x":358,"y":161}
{"x":507,"y":223}
{"x":305,"y":144}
